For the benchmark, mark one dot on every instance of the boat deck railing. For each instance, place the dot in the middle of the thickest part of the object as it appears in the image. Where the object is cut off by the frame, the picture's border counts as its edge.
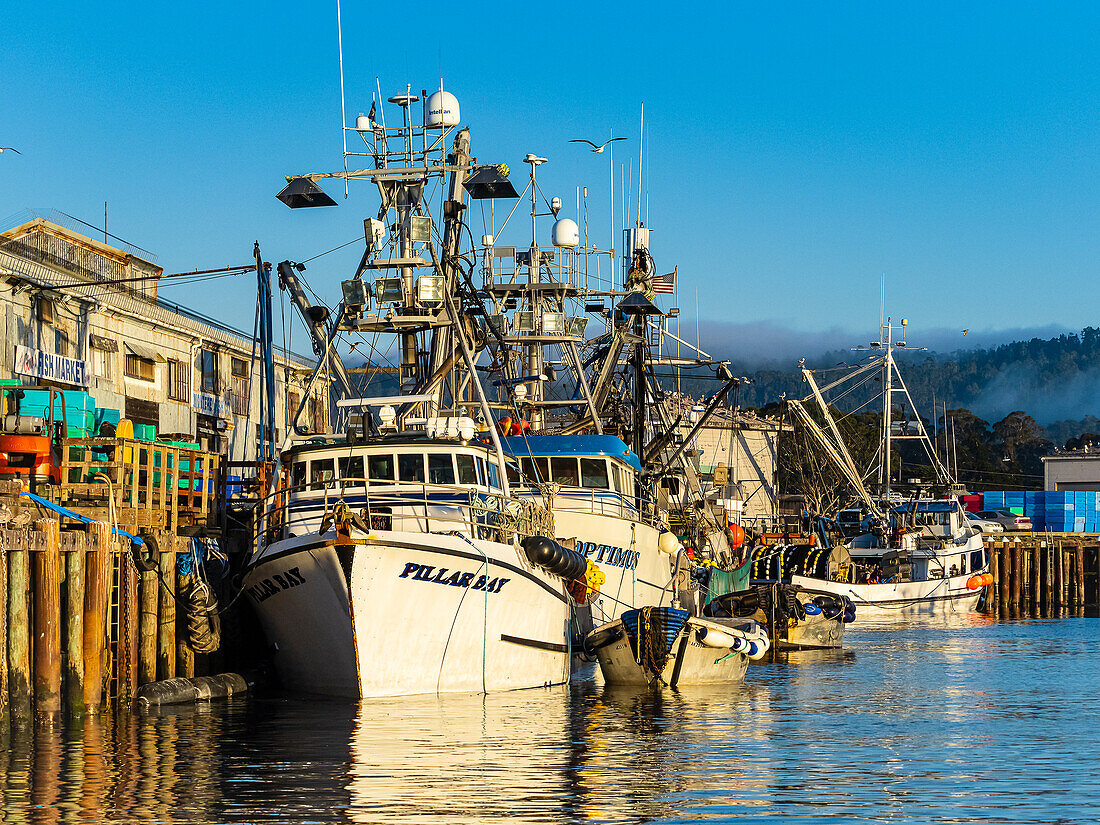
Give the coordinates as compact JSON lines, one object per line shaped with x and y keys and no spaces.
{"x":595,"y":500}
{"x":405,"y":506}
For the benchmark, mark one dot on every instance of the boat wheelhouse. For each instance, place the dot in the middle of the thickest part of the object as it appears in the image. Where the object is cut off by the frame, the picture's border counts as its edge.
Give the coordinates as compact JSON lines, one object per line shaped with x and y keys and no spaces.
{"x":591,"y":484}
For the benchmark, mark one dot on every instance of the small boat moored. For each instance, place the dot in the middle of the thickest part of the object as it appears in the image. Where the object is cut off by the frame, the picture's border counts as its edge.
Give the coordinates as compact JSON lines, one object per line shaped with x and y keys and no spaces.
{"x":795,"y":617}
{"x":667,"y":646}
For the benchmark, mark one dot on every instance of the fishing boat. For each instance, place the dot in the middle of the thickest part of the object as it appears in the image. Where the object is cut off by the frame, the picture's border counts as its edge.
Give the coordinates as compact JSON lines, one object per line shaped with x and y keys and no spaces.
{"x":796,"y":618}
{"x":891,"y":555}
{"x":392,"y":558}
{"x":667,"y":646}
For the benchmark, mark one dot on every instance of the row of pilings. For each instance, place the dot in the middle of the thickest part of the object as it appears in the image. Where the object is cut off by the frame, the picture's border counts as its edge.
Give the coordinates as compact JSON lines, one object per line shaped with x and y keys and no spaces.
{"x":81,"y":626}
{"x":1043,"y":576}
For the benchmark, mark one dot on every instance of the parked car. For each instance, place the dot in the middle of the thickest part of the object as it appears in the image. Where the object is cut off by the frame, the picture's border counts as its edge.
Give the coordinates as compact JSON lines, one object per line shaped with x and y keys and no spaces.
{"x":985,"y":525}
{"x":1008,"y":520}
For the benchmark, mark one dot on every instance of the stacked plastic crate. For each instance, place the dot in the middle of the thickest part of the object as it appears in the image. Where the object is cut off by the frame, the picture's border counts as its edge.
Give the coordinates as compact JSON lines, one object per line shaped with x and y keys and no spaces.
{"x":78,"y":405}
{"x":993,"y":500}
{"x":1034,"y":509}
{"x":1059,"y":510}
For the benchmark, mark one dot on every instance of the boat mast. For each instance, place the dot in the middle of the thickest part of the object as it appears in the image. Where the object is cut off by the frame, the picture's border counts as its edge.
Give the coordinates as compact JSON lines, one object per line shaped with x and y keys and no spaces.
{"x":887,"y":404}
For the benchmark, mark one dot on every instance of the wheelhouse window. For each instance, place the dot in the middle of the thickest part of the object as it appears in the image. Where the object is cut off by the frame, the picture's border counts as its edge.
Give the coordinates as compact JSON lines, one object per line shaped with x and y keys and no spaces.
{"x":351,"y":467}
{"x":467,"y":469}
{"x":564,"y":471}
{"x":380,"y":467}
{"x":594,"y":473}
{"x":410,"y":467}
{"x":440,"y":469}
{"x":298,"y":475}
{"x":537,"y":470}
{"x":321,"y":472}
{"x":494,"y":475}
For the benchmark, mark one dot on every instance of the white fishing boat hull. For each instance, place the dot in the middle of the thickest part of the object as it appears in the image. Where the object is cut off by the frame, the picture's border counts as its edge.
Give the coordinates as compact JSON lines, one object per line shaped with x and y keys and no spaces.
{"x":931,"y":597}
{"x":399,"y":613}
{"x":690,"y":661}
{"x":636,"y":572}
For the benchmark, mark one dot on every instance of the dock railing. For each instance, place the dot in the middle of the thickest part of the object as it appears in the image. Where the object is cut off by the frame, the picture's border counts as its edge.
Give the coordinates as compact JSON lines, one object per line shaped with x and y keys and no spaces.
{"x":153,"y":485}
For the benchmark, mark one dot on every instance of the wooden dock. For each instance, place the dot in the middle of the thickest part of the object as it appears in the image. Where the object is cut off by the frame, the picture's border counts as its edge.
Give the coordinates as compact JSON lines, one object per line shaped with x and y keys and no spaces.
{"x":82,"y":624}
{"x":1043,"y":574}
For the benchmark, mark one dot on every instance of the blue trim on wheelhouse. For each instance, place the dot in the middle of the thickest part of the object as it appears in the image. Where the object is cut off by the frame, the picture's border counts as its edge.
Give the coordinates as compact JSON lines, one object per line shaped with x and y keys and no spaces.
{"x":570,"y":445}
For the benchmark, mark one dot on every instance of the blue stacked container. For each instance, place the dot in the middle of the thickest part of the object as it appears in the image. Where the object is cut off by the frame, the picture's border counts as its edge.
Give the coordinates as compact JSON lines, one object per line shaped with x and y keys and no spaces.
{"x":993,"y":500}
{"x":79,"y":409}
{"x":1033,"y":509}
{"x":1059,"y":509}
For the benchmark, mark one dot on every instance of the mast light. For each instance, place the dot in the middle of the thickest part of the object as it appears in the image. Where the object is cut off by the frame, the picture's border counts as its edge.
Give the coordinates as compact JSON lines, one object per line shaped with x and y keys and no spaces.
{"x":302,"y":193}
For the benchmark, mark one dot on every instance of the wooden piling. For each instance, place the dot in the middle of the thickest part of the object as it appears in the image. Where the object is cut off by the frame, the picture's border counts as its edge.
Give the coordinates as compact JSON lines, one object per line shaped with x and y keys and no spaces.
{"x":1017,"y":570}
{"x":1033,"y":563}
{"x":185,"y":656}
{"x":1079,"y":559}
{"x":1005,"y":587}
{"x":166,"y":612}
{"x":96,"y":592}
{"x":3,"y":641}
{"x":74,"y":621}
{"x":128,"y":615}
{"x":1060,"y":571}
{"x":47,"y":619}
{"x":147,"y":646}
{"x":995,"y":569}
{"x":19,"y":634}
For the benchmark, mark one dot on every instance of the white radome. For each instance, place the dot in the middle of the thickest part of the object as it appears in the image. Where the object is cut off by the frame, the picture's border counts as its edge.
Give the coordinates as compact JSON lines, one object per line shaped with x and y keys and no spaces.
{"x":441,"y":111}
{"x":566,"y":234}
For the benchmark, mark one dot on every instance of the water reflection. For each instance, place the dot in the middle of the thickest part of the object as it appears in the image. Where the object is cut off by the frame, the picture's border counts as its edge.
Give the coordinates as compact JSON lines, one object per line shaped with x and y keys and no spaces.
{"x":941,"y":722}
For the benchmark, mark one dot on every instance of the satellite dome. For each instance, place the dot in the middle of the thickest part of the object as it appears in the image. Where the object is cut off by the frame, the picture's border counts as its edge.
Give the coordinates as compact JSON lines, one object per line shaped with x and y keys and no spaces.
{"x":566,"y":234}
{"x":441,"y":111}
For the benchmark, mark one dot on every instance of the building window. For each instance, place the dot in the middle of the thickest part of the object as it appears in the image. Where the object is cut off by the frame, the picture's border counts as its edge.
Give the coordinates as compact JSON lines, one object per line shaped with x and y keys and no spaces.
{"x":317,"y":415}
{"x":101,"y":363}
{"x":238,"y":369}
{"x":178,"y":381}
{"x":144,"y":369}
{"x":210,"y":372}
{"x":293,"y":400}
{"x":61,"y":342}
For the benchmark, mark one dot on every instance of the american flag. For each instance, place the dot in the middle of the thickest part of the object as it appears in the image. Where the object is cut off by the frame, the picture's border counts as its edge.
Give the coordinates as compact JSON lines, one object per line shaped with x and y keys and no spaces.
{"x":665,"y":283}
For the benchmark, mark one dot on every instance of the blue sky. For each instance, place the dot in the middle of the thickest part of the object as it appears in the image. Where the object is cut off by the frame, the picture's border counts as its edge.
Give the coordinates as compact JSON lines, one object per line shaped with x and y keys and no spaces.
{"x":796,"y":152}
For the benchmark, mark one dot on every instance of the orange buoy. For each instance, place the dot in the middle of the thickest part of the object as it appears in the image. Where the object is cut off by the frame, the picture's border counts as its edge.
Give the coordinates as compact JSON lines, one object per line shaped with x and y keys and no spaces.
{"x":737,"y":535}
{"x":504,"y":426}
{"x":975,"y":582}
{"x":987,"y":579}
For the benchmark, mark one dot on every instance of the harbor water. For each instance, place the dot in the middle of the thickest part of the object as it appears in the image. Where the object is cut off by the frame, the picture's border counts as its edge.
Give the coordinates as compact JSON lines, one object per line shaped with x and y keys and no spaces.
{"x":925,"y":722}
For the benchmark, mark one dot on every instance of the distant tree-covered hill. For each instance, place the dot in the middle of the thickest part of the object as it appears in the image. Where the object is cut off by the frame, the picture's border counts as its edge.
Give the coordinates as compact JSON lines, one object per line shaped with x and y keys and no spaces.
{"x":1056,"y":381}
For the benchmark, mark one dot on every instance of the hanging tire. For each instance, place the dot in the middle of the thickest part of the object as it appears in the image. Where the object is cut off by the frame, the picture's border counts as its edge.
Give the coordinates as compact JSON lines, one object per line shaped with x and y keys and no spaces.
{"x":147,"y":554}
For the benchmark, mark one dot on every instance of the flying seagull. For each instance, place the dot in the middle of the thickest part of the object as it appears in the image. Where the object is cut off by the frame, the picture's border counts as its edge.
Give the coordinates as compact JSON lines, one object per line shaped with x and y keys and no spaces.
{"x":966,"y":330}
{"x":13,"y":149}
{"x":595,"y":148}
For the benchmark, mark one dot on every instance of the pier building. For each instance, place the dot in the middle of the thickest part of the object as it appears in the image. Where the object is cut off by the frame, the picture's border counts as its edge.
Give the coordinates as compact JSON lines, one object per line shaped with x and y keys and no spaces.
{"x":80,"y":314}
{"x":1074,"y":470}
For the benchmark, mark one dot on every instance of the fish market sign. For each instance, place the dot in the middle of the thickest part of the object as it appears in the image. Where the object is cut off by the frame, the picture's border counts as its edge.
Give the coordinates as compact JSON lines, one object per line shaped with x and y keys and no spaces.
{"x":52,"y":367}
{"x":212,"y":405}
